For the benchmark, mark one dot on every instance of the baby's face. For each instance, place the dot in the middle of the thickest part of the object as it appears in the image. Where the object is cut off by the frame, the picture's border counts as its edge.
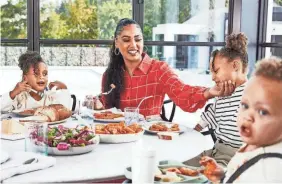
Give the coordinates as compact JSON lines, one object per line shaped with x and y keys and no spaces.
{"x":260,"y":114}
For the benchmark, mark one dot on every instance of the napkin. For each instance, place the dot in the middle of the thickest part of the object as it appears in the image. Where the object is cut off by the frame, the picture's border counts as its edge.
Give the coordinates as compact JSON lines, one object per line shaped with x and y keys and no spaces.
{"x":20,"y":157}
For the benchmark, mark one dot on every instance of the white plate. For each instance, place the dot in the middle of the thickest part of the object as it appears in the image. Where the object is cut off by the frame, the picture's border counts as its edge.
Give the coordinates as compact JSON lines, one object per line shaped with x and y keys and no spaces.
{"x":141,"y":118}
{"x":17,"y":113}
{"x":146,"y":126}
{"x":4,"y":156}
{"x":74,"y":150}
{"x":110,"y":120}
{"x":58,"y":122}
{"x":33,"y":118}
{"x":120,"y":138}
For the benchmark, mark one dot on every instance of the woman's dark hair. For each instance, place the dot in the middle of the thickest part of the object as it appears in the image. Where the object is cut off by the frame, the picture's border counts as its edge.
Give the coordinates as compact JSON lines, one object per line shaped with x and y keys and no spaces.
{"x":114,"y":74}
{"x":29,"y":59}
{"x":236,"y":47}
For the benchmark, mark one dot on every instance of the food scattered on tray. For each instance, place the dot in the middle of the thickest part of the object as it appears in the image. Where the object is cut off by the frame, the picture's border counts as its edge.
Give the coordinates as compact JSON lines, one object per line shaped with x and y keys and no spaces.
{"x":117,"y":128}
{"x":163,"y":127}
{"x":168,"y":177}
{"x":181,"y":170}
{"x":107,"y":115}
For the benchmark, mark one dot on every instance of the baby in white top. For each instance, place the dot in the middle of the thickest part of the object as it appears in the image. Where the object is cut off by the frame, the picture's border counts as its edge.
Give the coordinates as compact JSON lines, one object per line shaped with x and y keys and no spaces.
{"x":260,"y":126}
{"x":33,"y":91}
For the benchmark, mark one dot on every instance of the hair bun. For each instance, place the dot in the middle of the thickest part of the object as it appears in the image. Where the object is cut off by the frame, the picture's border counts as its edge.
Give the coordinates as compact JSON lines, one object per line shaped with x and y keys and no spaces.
{"x":237,"y":42}
{"x":29,"y":58}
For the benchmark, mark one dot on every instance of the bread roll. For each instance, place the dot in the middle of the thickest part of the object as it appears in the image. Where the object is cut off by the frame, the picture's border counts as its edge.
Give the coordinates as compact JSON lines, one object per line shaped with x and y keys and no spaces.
{"x":50,"y":112}
{"x":64,"y":113}
{"x":57,"y":106}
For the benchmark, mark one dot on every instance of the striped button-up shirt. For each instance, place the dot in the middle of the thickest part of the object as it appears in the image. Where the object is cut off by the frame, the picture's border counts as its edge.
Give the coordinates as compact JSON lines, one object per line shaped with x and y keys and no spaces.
{"x":222,"y":117}
{"x":155,"y":78}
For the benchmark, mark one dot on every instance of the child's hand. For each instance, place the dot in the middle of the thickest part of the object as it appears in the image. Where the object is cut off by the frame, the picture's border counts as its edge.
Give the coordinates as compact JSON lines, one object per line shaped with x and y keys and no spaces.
{"x":20,"y":87}
{"x":212,"y":171}
{"x":223,"y":89}
{"x":198,"y":128}
{"x":58,"y":84}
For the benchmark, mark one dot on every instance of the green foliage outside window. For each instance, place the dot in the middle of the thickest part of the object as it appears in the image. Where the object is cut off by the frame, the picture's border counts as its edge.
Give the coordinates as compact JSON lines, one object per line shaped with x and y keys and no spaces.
{"x":88,"y":19}
{"x":13,"y":20}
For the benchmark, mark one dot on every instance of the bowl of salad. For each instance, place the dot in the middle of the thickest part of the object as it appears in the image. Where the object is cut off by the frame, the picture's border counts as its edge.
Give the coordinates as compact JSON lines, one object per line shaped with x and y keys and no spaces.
{"x":70,"y":141}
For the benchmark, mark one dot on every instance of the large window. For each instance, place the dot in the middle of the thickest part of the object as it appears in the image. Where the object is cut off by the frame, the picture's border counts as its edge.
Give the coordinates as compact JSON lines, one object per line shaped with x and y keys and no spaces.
{"x":82,"y":19}
{"x":272,"y":38}
{"x":14,"y":39}
{"x":204,"y":19}
{"x":178,"y":22}
{"x":13,"y":19}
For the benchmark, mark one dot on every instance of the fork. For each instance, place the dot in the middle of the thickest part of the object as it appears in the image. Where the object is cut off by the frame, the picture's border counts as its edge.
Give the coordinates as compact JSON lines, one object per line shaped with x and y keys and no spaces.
{"x":108,"y":92}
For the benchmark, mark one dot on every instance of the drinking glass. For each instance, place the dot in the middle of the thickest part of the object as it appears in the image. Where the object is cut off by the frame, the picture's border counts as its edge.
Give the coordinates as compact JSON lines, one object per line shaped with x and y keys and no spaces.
{"x":131,"y":115}
{"x":36,"y":137}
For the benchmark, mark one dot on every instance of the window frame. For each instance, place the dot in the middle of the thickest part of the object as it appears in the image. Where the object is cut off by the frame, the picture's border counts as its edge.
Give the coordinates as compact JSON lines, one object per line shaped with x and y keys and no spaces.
{"x":34,"y":41}
{"x":262,"y":31}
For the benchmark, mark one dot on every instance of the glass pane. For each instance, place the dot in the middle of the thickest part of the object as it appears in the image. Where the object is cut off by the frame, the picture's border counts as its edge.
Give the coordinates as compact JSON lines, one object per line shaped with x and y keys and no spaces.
{"x":10,"y":74}
{"x":13,"y":19}
{"x":10,"y":53}
{"x":80,"y":67}
{"x":274,"y":21}
{"x":82,"y":19}
{"x":274,"y":51}
{"x":75,"y":55}
{"x":205,"y":20}
{"x":194,"y":58}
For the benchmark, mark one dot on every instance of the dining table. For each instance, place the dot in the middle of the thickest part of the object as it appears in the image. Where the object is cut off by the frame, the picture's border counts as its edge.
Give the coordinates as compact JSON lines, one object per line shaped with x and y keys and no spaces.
{"x":107,"y":162}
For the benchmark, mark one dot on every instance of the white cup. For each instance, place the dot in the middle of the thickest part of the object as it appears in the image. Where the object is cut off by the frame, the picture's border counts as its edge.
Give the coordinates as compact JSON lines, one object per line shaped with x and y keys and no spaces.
{"x":143,"y":164}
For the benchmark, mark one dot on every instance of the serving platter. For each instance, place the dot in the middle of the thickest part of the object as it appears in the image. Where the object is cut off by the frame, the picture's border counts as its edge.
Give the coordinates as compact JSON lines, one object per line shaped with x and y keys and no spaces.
{"x":34,"y":118}
{"x":19,"y":113}
{"x":120,"y":138}
{"x":74,"y":150}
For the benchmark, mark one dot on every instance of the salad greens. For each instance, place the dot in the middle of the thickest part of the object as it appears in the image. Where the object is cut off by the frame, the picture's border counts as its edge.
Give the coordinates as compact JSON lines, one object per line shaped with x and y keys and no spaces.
{"x":63,"y":137}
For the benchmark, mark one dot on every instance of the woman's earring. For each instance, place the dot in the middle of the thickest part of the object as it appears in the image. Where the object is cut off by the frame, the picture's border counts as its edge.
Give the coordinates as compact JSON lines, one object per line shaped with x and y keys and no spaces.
{"x":116,"y":51}
{"x":145,"y":49}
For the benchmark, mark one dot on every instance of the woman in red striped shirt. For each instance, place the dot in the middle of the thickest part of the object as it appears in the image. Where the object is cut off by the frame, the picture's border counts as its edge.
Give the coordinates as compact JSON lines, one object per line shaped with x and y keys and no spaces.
{"x":136,"y":76}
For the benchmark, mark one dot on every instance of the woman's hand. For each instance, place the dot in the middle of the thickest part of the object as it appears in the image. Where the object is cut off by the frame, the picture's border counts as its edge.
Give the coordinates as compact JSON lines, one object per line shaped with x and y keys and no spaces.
{"x":59,"y":85}
{"x":223,"y":89}
{"x":212,"y":171}
{"x":198,"y":128}
{"x":20,"y":87}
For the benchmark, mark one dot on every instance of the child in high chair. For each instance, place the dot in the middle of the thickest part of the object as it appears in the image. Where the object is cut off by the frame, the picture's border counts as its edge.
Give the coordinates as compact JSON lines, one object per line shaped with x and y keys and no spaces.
{"x":228,"y":64}
{"x":260,"y":126}
{"x":32,"y":92}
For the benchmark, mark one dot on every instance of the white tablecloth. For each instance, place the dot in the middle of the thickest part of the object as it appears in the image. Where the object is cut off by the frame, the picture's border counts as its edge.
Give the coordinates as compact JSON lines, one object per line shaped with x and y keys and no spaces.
{"x":108,"y":161}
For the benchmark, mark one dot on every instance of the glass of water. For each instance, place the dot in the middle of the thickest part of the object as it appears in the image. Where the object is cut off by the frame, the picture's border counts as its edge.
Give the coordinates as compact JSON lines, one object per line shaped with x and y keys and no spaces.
{"x":131,"y":115}
{"x":36,"y":137}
